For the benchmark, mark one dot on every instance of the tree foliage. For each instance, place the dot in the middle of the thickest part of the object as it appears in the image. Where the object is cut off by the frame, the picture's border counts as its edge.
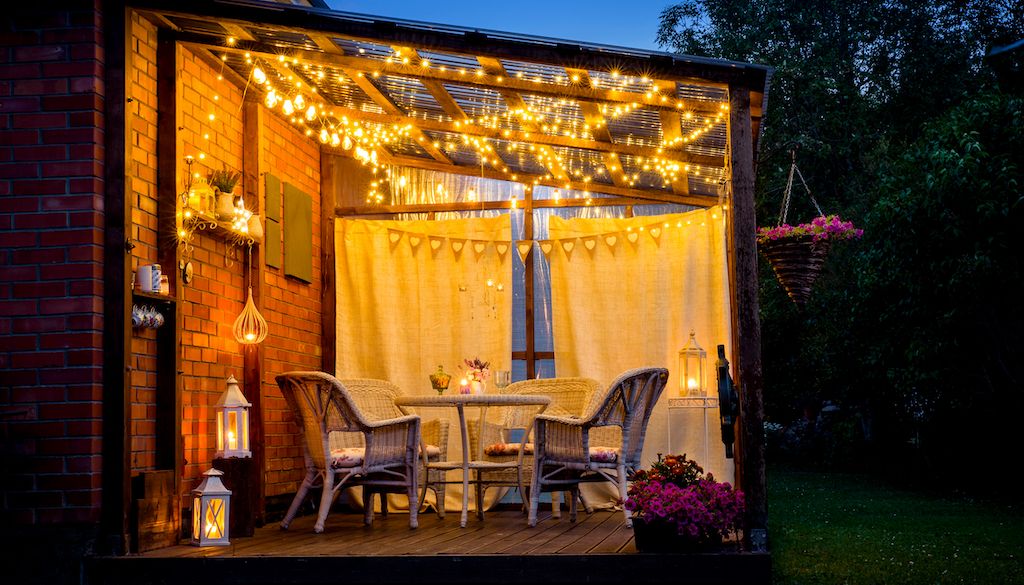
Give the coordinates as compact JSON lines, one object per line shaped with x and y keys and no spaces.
{"x":900,"y":127}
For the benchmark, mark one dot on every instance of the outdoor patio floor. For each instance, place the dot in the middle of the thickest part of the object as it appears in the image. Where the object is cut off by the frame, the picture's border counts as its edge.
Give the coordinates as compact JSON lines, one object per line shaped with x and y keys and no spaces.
{"x":598,"y":548}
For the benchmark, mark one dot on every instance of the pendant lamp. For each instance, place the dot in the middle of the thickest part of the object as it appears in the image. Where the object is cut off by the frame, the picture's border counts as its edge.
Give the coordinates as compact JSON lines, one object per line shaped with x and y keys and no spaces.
{"x":250,"y":327}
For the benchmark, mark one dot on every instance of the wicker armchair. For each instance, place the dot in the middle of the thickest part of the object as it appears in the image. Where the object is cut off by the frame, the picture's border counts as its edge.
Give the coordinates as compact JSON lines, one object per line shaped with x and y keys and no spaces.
{"x":565,"y":453}
{"x":569,"y":397}
{"x":387,"y":463}
{"x":376,"y":399}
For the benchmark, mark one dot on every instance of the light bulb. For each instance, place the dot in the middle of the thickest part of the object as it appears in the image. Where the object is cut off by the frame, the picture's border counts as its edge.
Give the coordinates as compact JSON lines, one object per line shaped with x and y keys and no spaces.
{"x":347,"y":143}
{"x":311,"y":112}
{"x":259,"y":76}
{"x":287,"y":108}
{"x":300,"y":102}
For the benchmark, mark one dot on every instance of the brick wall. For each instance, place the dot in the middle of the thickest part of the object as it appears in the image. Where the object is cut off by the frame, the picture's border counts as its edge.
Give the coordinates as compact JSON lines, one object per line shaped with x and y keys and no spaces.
{"x":142,"y":112}
{"x":292,"y":308}
{"x":51,"y":252}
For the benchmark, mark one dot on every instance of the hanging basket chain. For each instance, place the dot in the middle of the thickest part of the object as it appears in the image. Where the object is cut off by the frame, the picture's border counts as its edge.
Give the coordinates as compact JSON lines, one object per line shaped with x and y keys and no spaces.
{"x":787,"y":195}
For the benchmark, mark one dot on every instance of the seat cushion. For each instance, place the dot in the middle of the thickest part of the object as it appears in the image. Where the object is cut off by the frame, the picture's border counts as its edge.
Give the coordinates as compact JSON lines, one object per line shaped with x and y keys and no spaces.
{"x":347,"y":457}
{"x":433,"y":451}
{"x":507,"y":449}
{"x":604,"y":454}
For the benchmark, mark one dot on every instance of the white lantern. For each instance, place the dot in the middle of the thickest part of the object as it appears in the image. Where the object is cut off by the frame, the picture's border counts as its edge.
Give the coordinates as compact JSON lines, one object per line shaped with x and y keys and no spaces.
{"x":211,"y":509}
{"x":692,"y":369}
{"x":233,"y":422}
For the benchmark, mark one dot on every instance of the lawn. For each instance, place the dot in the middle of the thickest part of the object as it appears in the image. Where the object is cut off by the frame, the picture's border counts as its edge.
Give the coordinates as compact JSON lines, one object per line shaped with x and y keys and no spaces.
{"x":829,"y":528}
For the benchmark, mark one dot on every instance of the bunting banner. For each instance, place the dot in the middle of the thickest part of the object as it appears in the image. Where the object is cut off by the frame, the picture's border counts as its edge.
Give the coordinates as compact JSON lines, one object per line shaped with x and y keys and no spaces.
{"x":523,"y":247}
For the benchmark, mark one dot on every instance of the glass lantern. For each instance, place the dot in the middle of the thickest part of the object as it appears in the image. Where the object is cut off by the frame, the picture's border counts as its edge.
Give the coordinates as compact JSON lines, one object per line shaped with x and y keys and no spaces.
{"x":693,"y":365}
{"x":233,"y":423}
{"x":211,"y":508}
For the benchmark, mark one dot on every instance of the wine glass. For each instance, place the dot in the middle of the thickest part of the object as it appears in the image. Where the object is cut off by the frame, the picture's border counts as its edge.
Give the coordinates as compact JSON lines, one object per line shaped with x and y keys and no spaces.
{"x":502,"y":378}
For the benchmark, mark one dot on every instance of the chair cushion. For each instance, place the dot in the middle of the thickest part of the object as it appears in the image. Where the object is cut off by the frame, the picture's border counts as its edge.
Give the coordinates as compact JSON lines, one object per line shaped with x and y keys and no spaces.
{"x":433,"y":451}
{"x":604,"y":454}
{"x":347,"y":457}
{"x":507,"y":449}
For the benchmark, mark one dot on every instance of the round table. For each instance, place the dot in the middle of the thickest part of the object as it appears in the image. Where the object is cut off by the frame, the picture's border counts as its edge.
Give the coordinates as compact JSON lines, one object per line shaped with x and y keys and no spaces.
{"x":481,"y":401}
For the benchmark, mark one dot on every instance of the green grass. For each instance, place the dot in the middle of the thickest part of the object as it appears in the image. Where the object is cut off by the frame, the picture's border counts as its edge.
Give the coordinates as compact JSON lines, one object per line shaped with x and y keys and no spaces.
{"x":831,"y":528}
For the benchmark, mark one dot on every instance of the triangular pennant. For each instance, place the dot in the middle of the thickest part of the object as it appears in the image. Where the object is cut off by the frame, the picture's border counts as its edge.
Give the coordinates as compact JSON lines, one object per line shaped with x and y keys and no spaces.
{"x":546,"y":246}
{"x":414,"y":240}
{"x":568,"y":246}
{"x":502,"y":248}
{"x":655,"y":232}
{"x":435,"y":242}
{"x":458,"y":245}
{"x":632,"y":237}
{"x":590,"y":243}
{"x":394,"y":236}
{"x":611,"y":239}
{"x":523,"y":247}
{"x":479,"y":246}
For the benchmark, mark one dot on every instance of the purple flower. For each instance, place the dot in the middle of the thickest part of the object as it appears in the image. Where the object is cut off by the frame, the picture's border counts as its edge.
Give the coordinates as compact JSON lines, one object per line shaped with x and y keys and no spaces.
{"x":824,"y":227}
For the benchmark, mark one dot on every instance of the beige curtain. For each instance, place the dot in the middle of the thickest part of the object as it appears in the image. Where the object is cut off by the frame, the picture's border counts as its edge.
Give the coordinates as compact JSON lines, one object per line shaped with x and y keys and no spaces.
{"x":625,"y":293}
{"x":413,"y":295}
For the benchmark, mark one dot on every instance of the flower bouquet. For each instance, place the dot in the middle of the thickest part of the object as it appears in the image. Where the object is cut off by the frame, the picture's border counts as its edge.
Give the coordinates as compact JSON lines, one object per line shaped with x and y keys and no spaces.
{"x":478,"y":372}
{"x":798,"y":252}
{"x":676,"y":507}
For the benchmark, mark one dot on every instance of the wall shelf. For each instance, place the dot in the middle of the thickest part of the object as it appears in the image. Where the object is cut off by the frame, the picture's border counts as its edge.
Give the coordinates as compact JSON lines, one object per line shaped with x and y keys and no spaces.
{"x":204,"y":222}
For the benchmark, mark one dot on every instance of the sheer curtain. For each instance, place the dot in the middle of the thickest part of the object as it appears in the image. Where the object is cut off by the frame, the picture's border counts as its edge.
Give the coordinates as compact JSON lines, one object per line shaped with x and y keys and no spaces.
{"x":626,"y":293}
{"x":415,"y":294}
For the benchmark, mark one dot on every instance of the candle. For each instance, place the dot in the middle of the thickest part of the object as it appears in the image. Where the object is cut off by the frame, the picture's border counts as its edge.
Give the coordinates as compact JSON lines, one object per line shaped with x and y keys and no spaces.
{"x":464,"y":386}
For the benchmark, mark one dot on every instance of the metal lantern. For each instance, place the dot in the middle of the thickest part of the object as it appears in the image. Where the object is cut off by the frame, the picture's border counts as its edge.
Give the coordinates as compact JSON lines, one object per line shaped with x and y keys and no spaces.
{"x":233,"y":422}
{"x":211,"y":510}
{"x":693,"y":365}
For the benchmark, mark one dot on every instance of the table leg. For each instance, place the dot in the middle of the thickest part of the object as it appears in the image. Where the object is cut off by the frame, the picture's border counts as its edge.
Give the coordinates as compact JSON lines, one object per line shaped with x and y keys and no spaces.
{"x":465,"y":464}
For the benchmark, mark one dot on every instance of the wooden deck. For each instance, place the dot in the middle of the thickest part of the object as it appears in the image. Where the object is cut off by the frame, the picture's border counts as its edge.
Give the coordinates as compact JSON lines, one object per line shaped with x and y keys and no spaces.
{"x":598,"y":548}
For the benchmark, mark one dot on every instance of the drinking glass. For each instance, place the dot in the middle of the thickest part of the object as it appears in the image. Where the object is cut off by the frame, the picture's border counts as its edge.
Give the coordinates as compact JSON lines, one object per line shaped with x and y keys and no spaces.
{"x":502,"y":378}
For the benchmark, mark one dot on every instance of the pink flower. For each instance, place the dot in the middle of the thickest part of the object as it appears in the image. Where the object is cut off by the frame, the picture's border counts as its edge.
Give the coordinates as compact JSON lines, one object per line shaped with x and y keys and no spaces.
{"x":824,"y":227}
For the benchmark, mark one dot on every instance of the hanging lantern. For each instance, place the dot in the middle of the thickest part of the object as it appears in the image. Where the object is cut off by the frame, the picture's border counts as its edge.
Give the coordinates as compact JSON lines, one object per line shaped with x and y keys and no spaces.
{"x":250,"y":326}
{"x":692,"y":368}
{"x":211,"y":505}
{"x":233,"y":423}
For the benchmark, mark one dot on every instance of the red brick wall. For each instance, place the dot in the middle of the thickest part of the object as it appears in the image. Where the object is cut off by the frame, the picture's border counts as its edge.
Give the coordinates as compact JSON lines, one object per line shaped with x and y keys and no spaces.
{"x":292,"y":308}
{"x":142,"y":118}
{"x":216,"y":296}
{"x":51,"y":273}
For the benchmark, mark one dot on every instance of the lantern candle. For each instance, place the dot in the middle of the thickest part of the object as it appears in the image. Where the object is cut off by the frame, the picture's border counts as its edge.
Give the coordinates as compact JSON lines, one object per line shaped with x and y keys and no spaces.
{"x":464,"y":387}
{"x":692,"y":368}
{"x":233,"y":422}
{"x":211,"y":508}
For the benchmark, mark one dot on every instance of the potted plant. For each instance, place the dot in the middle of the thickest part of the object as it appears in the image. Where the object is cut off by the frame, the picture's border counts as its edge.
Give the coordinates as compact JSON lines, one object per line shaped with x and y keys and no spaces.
{"x":224,"y":182}
{"x":798,"y":252}
{"x":677,"y":508}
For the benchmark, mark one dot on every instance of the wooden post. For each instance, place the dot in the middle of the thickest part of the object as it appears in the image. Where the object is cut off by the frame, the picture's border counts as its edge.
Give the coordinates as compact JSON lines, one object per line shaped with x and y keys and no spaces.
{"x":531,"y":344}
{"x":117,"y":268}
{"x":238,"y":475}
{"x":329,"y":175}
{"x":252,"y":372}
{"x":748,"y":325}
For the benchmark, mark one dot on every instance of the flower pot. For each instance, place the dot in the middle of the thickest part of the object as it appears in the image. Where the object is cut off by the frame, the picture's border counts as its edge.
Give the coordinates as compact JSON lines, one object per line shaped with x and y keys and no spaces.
{"x":225,"y":205}
{"x":661,"y":537}
{"x":797,"y":262}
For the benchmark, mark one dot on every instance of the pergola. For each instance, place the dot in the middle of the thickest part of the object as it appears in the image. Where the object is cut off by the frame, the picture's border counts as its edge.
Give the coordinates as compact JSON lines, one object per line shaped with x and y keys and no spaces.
{"x":609,"y":125}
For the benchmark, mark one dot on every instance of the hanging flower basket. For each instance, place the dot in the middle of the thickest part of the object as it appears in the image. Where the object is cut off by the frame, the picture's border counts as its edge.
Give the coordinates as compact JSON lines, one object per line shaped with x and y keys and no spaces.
{"x":797,"y":253}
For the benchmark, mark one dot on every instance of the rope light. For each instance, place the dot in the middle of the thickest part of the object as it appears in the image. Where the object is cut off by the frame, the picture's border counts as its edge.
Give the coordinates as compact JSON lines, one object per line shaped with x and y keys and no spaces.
{"x":250,"y":326}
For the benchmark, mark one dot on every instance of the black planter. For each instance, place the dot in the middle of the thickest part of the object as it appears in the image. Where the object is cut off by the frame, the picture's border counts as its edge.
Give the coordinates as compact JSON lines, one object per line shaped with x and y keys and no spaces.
{"x":661,"y":537}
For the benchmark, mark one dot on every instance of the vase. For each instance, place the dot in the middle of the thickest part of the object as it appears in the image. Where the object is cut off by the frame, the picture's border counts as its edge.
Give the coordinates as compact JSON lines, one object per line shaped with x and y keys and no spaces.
{"x":225,"y":205}
{"x":662,"y":537}
{"x":797,"y":263}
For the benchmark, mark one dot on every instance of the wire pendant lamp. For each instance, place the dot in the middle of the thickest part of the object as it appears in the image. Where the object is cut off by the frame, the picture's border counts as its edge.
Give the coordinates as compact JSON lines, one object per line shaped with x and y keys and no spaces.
{"x":250,"y":326}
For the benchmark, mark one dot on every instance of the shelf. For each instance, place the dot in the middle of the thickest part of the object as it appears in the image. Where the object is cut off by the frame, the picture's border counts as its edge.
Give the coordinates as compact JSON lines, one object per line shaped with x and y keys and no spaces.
{"x":205,"y":222}
{"x":154,"y":296}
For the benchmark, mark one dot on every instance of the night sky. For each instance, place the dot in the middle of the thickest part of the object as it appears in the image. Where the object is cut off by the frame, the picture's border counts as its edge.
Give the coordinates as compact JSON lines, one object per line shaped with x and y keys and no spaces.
{"x":629,"y":24}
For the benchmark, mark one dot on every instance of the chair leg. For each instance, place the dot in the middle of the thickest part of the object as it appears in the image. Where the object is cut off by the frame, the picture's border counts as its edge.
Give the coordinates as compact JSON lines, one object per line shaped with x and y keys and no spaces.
{"x":574,"y":496}
{"x":439,"y":493}
{"x":414,"y":510}
{"x":479,"y":497}
{"x":621,"y":481}
{"x":300,"y":495}
{"x":534,"y":497}
{"x":556,"y":505}
{"x":383,"y":505}
{"x":326,"y":499}
{"x":367,"y":505}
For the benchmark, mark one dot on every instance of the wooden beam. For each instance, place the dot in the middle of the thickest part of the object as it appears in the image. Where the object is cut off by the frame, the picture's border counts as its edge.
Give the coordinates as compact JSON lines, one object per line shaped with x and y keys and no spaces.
{"x":463,"y":77}
{"x":748,"y":327}
{"x":325,"y":43}
{"x":650,"y":195}
{"x":115,"y":496}
{"x":382,"y":99}
{"x":488,"y":205}
{"x":238,"y":31}
{"x":614,"y":167}
{"x":672,"y":133}
{"x":546,"y":155}
{"x":232,"y":76}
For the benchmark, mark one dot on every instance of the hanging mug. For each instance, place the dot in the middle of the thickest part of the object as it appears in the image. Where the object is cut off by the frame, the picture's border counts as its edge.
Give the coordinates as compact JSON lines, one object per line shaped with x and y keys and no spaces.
{"x":136,"y":316}
{"x":158,"y":319}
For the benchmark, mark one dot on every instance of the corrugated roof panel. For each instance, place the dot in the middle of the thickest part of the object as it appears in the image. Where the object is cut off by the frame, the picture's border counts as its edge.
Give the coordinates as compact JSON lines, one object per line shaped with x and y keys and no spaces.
{"x":641,"y":127}
{"x":408,"y":147}
{"x":558,"y":116}
{"x":518,"y":158}
{"x":450,"y":61}
{"x":411,"y":95}
{"x":193,"y":25}
{"x":283,"y":39}
{"x":536,"y":72}
{"x":646,"y":179}
{"x":455,"y":147}
{"x":628,"y":83}
{"x":583,"y":165}
{"x":477,"y":102}
{"x":373,"y":51}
